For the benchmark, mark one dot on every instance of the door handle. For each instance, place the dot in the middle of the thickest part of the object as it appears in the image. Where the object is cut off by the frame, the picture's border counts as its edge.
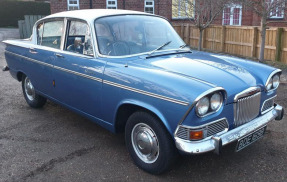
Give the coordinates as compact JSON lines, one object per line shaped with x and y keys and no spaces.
{"x":59,"y":55}
{"x":33,"y":51}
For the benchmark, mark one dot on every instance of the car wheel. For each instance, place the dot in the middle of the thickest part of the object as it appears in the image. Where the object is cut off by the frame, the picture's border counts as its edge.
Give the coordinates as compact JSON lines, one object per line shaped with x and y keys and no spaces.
{"x":149,"y":144}
{"x":32,"y":98}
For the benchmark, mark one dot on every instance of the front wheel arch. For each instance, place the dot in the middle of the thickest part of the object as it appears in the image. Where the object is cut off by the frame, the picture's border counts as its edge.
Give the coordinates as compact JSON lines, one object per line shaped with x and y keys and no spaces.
{"x":126,"y":109}
{"x":20,"y":76}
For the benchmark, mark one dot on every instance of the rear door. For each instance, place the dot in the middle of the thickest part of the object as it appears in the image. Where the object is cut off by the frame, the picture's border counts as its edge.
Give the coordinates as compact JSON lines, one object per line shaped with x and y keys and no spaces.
{"x":78,"y":74}
{"x":49,"y":35}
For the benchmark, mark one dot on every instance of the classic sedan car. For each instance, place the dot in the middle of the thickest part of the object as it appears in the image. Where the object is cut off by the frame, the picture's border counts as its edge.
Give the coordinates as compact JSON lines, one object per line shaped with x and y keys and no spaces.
{"x":130,"y":72}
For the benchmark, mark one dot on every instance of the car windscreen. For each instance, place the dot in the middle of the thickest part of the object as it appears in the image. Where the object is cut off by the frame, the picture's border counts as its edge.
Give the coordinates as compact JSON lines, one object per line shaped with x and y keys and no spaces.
{"x":134,"y":34}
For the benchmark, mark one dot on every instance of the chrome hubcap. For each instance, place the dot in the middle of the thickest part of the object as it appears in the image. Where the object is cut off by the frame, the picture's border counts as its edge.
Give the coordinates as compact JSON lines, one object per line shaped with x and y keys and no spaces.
{"x":145,"y":143}
{"x":29,"y":89}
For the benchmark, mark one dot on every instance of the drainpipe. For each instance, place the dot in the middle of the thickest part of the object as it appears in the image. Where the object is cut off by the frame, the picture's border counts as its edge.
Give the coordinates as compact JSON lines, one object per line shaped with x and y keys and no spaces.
{"x":158,"y":7}
{"x":91,"y":4}
{"x":124,"y":4}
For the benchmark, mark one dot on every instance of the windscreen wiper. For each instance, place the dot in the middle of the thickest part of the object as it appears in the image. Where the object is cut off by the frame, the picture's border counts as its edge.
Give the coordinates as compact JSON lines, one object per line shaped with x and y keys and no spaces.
{"x":184,"y":46}
{"x":160,"y":47}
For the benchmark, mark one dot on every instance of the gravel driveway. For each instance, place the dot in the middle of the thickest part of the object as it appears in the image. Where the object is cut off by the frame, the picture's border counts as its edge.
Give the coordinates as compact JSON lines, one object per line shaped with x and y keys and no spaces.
{"x":55,"y":144}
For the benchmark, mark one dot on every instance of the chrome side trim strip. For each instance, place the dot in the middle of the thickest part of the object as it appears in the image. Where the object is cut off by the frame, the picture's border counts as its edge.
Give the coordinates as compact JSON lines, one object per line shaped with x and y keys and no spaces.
{"x":146,"y":93}
{"x":29,"y":59}
{"x":199,"y":97}
{"x":106,"y":82}
{"x":79,"y":74}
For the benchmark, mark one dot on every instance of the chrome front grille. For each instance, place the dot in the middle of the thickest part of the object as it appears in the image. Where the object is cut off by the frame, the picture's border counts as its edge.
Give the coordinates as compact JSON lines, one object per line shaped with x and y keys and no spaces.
{"x":209,"y":129}
{"x":183,"y":133}
{"x":246,"y":109}
{"x":217,"y":127}
{"x":267,"y":105}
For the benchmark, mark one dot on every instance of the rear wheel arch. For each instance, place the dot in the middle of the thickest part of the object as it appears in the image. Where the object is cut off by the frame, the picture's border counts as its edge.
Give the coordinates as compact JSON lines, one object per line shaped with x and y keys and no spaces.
{"x":125,"y":110}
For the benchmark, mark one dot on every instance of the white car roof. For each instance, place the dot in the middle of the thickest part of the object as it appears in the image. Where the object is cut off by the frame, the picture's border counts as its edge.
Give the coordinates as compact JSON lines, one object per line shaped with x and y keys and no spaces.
{"x":92,"y":14}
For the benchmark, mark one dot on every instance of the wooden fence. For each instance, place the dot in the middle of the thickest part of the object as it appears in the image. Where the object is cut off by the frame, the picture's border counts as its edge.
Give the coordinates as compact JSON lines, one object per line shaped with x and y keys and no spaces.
{"x":242,"y":41}
{"x":26,"y":25}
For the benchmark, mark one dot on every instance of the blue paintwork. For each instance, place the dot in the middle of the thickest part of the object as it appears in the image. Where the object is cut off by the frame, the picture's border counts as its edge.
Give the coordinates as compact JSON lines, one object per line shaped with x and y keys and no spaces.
{"x":175,"y":76}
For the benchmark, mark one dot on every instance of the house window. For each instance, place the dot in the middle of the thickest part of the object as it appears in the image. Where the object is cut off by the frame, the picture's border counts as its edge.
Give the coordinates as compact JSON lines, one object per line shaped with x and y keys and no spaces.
{"x":73,"y":4}
{"x":111,"y":4}
{"x":182,"y":9}
{"x":277,"y":8}
{"x":232,"y":15}
{"x":149,"y":6}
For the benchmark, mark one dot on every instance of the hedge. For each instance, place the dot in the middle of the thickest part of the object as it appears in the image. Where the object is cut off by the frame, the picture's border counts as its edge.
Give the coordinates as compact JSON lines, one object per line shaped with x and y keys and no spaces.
{"x":12,"y":11}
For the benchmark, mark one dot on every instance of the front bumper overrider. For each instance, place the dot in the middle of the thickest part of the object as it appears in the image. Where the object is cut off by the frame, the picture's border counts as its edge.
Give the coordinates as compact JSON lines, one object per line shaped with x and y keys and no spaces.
{"x":215,"y":142}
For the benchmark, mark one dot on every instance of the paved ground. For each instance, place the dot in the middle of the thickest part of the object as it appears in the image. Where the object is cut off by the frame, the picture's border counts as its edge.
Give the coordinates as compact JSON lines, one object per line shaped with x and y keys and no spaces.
{"x":55,"y":144}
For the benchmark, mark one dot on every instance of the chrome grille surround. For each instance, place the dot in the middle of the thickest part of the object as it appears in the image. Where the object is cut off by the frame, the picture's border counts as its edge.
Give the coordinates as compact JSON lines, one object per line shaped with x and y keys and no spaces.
{"x":209,"y":129}
{"x":267,"y":105}
{"x":246,"y":106}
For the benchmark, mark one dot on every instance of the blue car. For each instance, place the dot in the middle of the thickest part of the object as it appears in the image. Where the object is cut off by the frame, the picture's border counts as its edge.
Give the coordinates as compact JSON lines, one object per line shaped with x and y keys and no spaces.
{"x":130,"y":72}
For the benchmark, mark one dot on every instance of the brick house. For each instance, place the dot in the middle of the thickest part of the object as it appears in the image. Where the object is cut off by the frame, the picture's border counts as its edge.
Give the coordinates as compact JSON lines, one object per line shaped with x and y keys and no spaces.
{"x":240,"y":16}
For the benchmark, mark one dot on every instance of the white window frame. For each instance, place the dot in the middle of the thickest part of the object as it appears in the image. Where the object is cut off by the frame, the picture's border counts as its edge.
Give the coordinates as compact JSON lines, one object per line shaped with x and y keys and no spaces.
{"x":277,"y":9}
{"x":232,"y":7}
{"x":73,"y":5}
{"x":112,"y":6}
{"x":149,"y":6}
{"x":186,"y":8}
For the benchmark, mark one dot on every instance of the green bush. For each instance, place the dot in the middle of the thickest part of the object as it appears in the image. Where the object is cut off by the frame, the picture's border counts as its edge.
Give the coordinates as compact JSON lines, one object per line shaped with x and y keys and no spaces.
{"x":12,"y":11}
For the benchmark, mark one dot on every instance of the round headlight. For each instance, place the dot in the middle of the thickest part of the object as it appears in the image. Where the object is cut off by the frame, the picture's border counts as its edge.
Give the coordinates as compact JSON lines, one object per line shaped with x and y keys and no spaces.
{"x":202,"y":106}
{"x":275,"y":81}
{"x":215,"y":101}
{"x":269,"y":85}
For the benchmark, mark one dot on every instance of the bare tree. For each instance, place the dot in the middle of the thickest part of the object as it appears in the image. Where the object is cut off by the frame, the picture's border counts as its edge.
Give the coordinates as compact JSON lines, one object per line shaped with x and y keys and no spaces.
{"x":266,"y":10}
{"x":201,"y":13}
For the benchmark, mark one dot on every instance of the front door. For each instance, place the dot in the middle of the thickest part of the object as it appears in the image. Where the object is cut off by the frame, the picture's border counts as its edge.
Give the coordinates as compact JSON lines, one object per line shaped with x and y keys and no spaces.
{"x":77,"y":74}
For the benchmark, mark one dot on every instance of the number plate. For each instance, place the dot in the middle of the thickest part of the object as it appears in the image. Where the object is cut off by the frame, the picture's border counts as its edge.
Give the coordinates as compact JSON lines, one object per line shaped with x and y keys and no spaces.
{"x":249,"y":139}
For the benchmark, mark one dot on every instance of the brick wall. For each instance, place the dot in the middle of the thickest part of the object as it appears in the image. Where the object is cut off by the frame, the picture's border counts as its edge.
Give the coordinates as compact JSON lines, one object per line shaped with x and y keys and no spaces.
{"x":58,"y":6}
{"x":163,"y":8}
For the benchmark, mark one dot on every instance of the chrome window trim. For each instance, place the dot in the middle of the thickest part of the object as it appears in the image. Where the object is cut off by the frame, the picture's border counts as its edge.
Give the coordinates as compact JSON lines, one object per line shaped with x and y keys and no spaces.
{"x":246,"y":92}
{"x":201,"y":96}
{"x":277,"y":71}
{"x":264,"y":104}
{"x":184,"y":103}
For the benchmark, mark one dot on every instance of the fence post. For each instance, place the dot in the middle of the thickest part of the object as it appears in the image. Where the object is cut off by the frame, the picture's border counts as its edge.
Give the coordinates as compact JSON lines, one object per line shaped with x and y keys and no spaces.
{"x":278,"y":44}
{"x":182,"y":31}
{"x":254,"y":42}
{"x":187,"y":34}
{"x":203,"y":38}
{"x":21,"y":27}
{"x":223,"y":34}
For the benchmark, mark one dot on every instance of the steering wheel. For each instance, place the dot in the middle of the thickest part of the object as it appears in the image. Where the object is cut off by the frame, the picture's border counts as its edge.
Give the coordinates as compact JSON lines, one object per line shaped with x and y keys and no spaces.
{"x":120,"y":48}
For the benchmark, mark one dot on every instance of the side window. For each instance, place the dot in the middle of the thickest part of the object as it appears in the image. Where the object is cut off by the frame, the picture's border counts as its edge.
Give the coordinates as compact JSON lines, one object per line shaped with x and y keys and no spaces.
{"x":79,"y":38}
{"x":50,"y":34}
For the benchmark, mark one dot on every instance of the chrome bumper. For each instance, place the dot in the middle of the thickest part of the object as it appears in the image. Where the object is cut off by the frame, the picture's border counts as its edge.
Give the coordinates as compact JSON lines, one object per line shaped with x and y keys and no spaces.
{"x":217,"y":141}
